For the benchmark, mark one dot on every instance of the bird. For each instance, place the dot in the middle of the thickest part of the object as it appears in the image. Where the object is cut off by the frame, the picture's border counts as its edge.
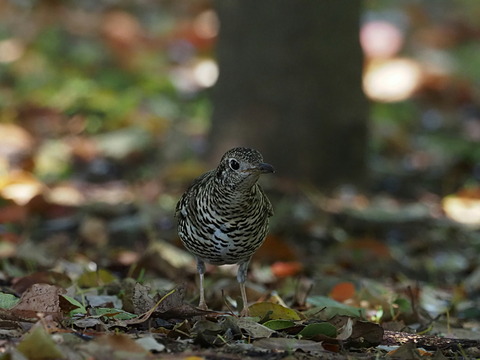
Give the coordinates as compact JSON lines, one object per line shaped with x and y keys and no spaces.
{"x":223,"y":216}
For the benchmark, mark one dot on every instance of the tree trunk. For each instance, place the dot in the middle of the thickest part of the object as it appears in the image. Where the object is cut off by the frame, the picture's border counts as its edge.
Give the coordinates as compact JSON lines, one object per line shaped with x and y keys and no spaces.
{"x":290,"y":86}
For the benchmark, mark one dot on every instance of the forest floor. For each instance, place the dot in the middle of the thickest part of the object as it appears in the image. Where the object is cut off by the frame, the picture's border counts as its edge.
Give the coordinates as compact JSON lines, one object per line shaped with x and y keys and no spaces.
{"x":339,"y":277}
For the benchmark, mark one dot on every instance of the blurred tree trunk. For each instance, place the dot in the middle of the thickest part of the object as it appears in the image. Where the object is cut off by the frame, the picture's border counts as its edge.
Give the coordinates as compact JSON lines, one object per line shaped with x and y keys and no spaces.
{"x":290,"y":86}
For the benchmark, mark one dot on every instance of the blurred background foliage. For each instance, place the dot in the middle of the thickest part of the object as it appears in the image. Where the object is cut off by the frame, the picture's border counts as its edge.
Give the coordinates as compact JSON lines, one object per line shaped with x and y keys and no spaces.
{"x":98,"y":92}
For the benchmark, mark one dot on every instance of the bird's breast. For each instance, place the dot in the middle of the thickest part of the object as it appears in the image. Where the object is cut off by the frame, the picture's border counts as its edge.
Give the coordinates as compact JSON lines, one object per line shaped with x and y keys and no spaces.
{"x":223,"y":229}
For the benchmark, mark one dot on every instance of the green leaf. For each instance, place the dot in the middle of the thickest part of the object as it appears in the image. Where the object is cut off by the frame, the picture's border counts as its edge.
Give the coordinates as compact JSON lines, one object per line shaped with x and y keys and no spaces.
{"x":271,"y":311}
{"x":323,"y":328}
{"x":79,"y":308}
{"x":8,"y":301}
{"x":38,"y":344}
{"x":329,"y":308}
{"x":279,"y":324}
{"x":403,"y":305}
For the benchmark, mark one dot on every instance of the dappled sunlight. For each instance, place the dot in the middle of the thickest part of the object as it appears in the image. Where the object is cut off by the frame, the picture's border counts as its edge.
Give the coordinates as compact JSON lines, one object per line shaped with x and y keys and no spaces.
{"x":20,"y":186}
{"x":190,"y":78}
{"x":206,"y":24}
{"x":464,"y":207}
{"x":381,"y":39}
{"x":392,"y":80}
{"x":387,"y":77}
{"x":11,"y":50}
{"x":206,"y":73}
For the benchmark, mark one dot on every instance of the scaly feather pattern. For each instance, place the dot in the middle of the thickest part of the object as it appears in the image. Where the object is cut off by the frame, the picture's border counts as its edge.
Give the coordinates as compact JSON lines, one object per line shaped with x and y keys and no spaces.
{"x":223,"y":216}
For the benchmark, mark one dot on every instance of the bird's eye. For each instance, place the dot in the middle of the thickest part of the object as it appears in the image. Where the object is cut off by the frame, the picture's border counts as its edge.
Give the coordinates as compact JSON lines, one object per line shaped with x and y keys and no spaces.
{"x":234,"y":165}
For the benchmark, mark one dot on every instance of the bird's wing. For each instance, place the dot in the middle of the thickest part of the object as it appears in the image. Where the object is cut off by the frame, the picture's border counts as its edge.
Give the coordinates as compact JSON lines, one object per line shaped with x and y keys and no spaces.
{"x":268,"y":204}
{"x":189,"y":194}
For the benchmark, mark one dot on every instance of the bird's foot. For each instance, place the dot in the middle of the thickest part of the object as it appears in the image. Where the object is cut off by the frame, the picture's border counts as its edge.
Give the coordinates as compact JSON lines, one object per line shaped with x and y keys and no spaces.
{"x":202,"y":305}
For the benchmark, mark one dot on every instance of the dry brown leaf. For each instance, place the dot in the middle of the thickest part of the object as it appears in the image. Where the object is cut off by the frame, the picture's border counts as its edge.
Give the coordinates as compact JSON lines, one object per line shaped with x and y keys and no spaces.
{"x":40,"y":298}
{"x":140,"y":300}
{"x":343,"y":291}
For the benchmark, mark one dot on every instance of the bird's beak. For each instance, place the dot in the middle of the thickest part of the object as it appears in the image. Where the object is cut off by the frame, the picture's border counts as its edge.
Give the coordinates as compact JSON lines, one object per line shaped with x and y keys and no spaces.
{"x":265,"y":168}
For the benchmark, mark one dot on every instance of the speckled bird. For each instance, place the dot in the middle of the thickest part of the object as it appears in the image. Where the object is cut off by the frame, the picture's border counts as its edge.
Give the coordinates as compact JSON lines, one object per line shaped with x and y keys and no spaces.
{"x":223,"y":216}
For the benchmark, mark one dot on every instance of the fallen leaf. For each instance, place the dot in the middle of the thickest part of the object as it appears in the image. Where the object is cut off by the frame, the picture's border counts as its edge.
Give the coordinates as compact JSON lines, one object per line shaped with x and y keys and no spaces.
{"x":38,"y":344}
{"x":8,"y":301}
{"x":210,"y":333}
{"x":327,"y":308}
{"x":136,"y":298}
{"x":283,"y":269}
{"x":314,"y":329}
{"x":173,"y":300}
{"x":90,"y":322}
{"x":72,"y":306}
{"x":252,"y":328}
{"x":343,"y":291}
{"x":40,"y":298}
{"x":270,"y":311}
{"x":279,"y":324}
{"x":365,"y":332}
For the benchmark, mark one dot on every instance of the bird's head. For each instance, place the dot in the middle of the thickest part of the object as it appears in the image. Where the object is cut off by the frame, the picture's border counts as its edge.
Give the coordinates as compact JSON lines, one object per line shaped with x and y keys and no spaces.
{"x":241,"y":167}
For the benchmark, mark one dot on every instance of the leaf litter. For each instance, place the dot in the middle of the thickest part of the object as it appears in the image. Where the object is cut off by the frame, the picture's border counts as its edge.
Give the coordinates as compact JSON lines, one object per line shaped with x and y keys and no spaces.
{"x":85,"y":310}
{"x":49,"y":318}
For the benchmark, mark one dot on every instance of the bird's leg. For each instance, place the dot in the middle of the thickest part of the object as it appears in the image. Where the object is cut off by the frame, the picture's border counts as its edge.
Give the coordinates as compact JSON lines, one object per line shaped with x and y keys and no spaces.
{"x":201,"y":272}
{"x":242,"y":277}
